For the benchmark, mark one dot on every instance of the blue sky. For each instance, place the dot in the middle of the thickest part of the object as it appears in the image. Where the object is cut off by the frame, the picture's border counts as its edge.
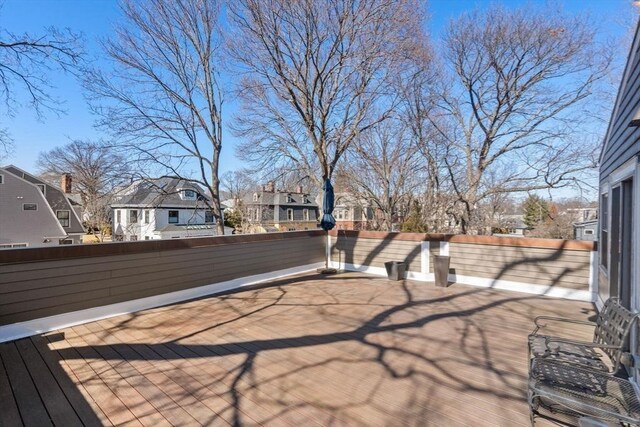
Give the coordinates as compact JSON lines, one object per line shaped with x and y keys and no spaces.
{"x":96,"y":18}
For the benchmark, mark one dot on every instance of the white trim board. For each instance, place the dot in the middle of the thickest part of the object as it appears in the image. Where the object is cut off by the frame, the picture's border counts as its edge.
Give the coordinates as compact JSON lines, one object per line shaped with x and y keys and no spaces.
{"x":60,"y":321}
{"x":528,"y":288}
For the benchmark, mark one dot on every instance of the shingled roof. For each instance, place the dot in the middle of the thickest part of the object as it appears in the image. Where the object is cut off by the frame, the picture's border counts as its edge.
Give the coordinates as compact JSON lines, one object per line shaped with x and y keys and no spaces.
{"x":163,"y":192}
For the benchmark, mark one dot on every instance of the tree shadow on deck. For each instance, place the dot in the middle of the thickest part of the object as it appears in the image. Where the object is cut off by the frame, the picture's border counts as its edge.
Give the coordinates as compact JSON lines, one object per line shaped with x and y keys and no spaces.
{"x":379,"y":339}
{"x":266,"y":347}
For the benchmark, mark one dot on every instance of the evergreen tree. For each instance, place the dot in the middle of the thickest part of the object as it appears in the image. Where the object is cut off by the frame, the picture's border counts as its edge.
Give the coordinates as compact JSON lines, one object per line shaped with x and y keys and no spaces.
{"x":536,"y":211}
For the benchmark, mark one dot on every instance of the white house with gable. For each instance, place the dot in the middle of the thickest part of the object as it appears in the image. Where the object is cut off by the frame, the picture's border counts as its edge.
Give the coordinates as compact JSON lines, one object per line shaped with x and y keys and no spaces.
{"x":167,"y":208}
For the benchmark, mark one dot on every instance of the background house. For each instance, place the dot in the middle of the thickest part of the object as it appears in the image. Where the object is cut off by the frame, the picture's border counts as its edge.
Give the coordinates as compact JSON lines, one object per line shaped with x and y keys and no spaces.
{"x":269,"y":209}
{"x":352,"y":213}
{"x":34,"y":213}
{"x":511,"y":225}
{"x":586,"y":230}
{"x":167,"y":208}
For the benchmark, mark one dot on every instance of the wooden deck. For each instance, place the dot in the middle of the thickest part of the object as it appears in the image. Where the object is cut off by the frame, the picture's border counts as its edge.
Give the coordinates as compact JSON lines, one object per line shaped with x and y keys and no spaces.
{"x":349,"y":349}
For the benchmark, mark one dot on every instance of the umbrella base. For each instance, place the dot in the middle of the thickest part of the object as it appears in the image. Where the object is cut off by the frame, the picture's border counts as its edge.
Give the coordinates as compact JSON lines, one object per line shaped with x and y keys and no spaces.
{"x":327,"y":271}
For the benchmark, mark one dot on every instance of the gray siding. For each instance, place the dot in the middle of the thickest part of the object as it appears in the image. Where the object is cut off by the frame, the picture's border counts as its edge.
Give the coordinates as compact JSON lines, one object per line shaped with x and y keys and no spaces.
{"x":298,"y":213}
{"x":624,"y":142}
{"x":549,"y":267}
{"x":56,"y":199}
{"x":20,"y":226}
{"x":30,"y":290}
{"x":375,"y":252}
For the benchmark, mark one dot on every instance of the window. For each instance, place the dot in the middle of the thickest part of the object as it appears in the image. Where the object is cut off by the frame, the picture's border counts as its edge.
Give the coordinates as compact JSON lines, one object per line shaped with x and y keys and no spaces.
{"x":305,"y":214}
{"x":146,"y":217}
{"x":13,"y":245}
{"x":29,"y":206}
{"x":305,"y":199}
{"x":208,"y":217}
{"x":118,"y":217}
{"x":41,"y":187}
{"x":255,"y":197}
{"x":588,"y":231}
{"x":289,"y":198}
{"x":290,"y":214}
{"x":604,"y":230}
{"x":63,"y":217}
{"x":146,"y":238}
{"x":173,"y":217}
{"x":65,"y":242}
{"x":133,"y":238}
{"x":133,"y":216}
{"x":1,"y":179}
{"x":189,"y":194}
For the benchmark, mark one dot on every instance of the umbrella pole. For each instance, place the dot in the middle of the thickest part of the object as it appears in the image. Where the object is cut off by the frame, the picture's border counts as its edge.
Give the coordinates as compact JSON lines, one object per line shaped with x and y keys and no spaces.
{"x":327,"y":254}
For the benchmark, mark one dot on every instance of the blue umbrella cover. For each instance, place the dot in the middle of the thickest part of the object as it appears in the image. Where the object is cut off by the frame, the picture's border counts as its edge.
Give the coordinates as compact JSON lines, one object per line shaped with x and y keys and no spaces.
{"x":328,"y":221}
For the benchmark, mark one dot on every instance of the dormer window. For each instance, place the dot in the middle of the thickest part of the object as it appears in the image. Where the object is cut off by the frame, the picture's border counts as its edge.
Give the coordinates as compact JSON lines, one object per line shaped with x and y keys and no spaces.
{"x":255,"y":197}
{"x":305,"y":199}
{"x":289,"y":198}
{"x":188,"y":194}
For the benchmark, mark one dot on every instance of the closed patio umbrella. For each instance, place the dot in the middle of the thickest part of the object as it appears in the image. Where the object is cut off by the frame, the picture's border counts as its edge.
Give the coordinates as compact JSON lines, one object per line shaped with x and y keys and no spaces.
{"x":328,"y":221}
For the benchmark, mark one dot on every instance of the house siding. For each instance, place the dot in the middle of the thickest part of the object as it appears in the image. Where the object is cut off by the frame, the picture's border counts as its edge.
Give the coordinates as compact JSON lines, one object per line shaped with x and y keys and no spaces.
{"x":56,"y":199}
{"x":622,"y":141}
{"x":620,"y":161}
{"x":19,"y":226}
{"x":87,"y":277}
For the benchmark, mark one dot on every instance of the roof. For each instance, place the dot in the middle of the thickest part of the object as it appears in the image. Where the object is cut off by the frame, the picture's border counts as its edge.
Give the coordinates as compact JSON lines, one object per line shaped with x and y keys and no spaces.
{"x":585,"y":223}
{"x":279,"y":198}
{"x":55,"y":198}
{"x":163,"y":192}
{"x":514,"y":221}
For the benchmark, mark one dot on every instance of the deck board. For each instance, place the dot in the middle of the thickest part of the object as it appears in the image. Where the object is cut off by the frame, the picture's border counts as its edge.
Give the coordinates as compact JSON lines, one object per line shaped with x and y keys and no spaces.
{"x":349,"y":349}
{"x":9,"y":414}
{"x":30,"y":405}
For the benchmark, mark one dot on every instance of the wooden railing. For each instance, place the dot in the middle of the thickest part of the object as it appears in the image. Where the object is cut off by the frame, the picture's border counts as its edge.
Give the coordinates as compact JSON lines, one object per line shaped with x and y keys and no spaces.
{"x":563,"y":268}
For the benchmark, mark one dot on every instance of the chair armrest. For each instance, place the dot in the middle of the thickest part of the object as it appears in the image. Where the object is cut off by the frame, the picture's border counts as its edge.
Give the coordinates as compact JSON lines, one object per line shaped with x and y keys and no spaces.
{"x":559,"y":320}
{"x":581,"y":343}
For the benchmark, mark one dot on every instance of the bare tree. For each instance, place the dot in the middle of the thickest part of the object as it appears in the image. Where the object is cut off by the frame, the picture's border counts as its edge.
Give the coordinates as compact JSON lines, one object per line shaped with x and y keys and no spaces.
{"x":523,"y":84}
{"x":25,"y":63}
{"x":98,"y":171}
{"x":163,"y":101}
{"x":417,"y":103}
{"x":385,"y":169}
{"x":316,"y":76}
{"x":237,"y":186}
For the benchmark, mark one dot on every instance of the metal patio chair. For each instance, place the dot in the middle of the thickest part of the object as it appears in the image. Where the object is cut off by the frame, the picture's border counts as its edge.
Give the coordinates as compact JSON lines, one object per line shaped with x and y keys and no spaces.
{"x":562,"y":393}
{"x":610,"y":340}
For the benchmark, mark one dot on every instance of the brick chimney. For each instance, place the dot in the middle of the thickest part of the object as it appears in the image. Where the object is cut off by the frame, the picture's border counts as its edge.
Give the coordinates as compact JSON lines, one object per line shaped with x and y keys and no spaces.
{"x":299,"y":189}
{"x":270,"y":187}
{"x":65,"y":183}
